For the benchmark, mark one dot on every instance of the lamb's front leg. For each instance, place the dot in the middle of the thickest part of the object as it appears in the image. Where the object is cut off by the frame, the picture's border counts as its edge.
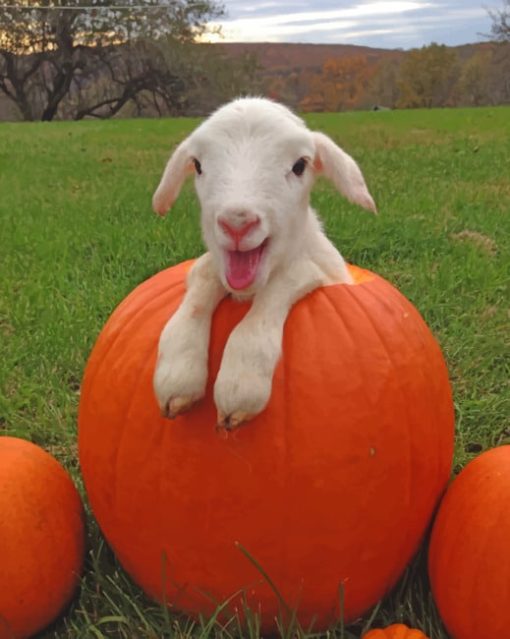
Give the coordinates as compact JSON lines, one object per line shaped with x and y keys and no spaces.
{"x":243,"y":385}
{"x":180,"y":377}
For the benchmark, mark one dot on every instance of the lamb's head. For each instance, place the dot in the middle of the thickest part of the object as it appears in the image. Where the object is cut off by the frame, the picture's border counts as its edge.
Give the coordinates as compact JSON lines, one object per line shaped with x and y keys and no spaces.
{"x":255,"y":163}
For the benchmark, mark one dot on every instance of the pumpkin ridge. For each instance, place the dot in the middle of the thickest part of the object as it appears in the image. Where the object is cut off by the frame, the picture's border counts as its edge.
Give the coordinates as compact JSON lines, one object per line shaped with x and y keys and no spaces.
{"x":382,"y":339}
{"x":140,"y":379}
{"x":139,"y":310}
{"x":308,"y":314}
{"x":131,"y":399}
{"x":473,"y":599}
{"x":287,"y":461}
{"x":432,"y":361}
{"x":339,"y":308}
{"x":429,"y":351}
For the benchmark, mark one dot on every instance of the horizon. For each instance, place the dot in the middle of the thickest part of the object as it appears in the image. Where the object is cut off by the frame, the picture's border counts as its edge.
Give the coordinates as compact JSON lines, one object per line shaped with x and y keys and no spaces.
{"x":346,"y":44}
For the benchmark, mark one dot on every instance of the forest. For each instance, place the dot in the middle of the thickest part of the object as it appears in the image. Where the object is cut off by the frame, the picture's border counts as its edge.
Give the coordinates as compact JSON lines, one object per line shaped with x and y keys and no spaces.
{"x":431,"y":76}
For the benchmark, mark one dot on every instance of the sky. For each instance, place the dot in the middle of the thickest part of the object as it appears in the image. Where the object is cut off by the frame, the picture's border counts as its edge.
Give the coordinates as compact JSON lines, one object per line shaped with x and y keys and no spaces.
{"x":377,"y":23}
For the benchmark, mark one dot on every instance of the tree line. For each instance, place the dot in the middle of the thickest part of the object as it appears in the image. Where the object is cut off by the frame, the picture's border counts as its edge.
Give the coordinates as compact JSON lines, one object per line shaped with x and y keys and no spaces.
{"x":432,"y":76}
{"x":71,"y":59}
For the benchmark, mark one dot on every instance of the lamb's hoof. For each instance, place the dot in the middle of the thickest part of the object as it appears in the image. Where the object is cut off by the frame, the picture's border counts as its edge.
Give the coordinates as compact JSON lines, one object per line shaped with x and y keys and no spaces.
{"x":178,"y":405}
{"x":233,"y":421}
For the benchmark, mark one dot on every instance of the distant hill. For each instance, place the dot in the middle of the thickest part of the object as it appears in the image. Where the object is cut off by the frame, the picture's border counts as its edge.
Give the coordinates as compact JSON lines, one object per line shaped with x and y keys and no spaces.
{"x":286,"y":57}
{"x":278,"y":57}
{"x":317,"y":77}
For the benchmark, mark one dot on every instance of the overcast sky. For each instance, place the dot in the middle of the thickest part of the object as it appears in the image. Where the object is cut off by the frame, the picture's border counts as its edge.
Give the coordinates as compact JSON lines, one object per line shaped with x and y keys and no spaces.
{"x":378,"y":23}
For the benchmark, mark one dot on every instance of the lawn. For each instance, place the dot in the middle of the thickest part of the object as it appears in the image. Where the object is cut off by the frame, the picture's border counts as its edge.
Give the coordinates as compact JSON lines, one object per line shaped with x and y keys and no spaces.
{"x":77,"y":234}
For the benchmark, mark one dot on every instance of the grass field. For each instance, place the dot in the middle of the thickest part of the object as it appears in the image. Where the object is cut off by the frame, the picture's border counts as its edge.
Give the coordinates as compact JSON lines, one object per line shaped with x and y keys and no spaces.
{"x":77,"y":234}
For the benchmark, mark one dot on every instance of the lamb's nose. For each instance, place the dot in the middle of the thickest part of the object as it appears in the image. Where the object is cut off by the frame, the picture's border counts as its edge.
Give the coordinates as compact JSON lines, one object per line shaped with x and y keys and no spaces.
{"x":237,"y":233}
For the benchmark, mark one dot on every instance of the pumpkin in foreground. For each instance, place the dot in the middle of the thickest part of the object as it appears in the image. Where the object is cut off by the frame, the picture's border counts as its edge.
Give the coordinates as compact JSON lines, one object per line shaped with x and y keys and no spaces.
{"x":395,"y":631}
{"x":469,"y":555}
{"x":329,"y":489}
{"x":41,"y":538}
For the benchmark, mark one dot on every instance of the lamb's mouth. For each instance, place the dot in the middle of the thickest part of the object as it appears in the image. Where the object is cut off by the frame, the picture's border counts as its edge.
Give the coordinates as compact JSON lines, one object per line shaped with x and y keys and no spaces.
{"x":242,"y":267}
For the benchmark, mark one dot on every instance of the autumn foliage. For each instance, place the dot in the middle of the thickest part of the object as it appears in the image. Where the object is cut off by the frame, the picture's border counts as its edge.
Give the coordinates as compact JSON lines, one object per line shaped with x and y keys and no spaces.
{"x":432,"y":76}
{"x":341,"y":85}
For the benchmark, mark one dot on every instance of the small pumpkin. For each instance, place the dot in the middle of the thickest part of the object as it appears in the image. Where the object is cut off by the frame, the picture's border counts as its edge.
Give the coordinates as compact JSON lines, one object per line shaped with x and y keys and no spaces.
{"x":41,"y":538}
{"x":469,"y":555}
{"x":331,"y":487}
{"x":395,"y":631}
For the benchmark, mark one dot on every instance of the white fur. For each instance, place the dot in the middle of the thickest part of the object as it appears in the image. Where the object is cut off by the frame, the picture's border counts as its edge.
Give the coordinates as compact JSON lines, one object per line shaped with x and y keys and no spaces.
{"x":247,"y":150}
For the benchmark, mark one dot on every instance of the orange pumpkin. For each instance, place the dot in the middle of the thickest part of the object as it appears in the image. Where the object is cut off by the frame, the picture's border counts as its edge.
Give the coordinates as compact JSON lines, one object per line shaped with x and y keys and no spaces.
{"x":469,"y":556}
{"x":330,"y":488}
{"x":396,"y":631}
{"x":41,"y":538}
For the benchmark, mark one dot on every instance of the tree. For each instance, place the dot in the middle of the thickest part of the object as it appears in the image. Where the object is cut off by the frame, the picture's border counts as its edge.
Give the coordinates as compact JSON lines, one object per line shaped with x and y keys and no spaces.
{"x":500,"y":31}
{"x":52,"y":49}
{"x":427,"y":76}
{"x":341,"y":85}
{"x":473,"y":86}
{"x":383,"y":87}
{"x":500,"y":28}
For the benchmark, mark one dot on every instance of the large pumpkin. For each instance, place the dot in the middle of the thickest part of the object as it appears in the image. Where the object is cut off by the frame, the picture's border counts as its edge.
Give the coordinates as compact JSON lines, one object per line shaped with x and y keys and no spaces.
{"x":41,"y":538}
{"x":395,"y":631}
{"x":330,"y":488}
{"x":469,"y":557}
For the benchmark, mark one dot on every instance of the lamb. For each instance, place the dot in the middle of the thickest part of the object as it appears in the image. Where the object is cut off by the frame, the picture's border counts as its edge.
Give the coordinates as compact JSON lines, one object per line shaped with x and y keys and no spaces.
{"x":255,"y":163}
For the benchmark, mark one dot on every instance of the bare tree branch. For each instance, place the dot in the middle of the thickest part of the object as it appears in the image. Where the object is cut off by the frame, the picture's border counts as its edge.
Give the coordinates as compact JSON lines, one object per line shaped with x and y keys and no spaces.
{"x":500,"y":28}
{"x":43,"y":50}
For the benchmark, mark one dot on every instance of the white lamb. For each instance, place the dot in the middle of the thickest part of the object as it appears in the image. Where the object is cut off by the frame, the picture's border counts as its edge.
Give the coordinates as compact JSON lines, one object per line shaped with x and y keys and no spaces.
{"x":255,"y":163}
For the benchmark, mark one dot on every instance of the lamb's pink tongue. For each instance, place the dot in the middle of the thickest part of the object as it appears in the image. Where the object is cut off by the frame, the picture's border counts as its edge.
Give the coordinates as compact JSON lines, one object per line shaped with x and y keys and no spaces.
{"x":242,"y":267}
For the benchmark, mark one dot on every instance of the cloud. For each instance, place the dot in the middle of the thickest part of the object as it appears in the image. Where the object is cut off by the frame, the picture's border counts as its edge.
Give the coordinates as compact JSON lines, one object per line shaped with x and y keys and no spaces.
{"x":374,"y":22}
{"x":284,"y":26}
{"x":370,"y":9}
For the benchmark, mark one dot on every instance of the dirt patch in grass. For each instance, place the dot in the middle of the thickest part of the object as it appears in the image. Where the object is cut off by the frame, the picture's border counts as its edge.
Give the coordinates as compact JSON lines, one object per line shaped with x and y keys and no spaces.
{"x":481,"y":241}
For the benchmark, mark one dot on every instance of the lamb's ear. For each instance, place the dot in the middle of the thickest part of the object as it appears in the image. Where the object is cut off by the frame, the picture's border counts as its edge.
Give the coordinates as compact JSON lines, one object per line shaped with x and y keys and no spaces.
{"x":342,"y":170}
{"x":178,"y":167}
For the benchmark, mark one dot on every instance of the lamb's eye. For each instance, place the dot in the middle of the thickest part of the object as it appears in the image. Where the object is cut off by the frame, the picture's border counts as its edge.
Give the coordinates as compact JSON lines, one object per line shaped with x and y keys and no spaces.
{"x":299,"y":168}
{"x":198,"y":166}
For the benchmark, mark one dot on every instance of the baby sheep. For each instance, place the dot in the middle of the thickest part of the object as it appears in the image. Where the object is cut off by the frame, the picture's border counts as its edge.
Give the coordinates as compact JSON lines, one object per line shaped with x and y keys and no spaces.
{"x":255,"y":163}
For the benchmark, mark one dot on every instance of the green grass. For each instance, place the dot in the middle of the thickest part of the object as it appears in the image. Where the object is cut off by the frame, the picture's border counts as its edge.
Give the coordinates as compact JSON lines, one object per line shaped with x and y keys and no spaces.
{"x":77,"y":234}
